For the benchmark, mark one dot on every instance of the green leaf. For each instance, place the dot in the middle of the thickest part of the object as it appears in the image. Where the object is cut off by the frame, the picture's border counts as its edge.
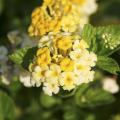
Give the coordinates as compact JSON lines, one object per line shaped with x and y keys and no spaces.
{"x":102,"y":40}
{"x":19,"y":55}
{"x":24,"y":56}
{"x":7,"y":111}
{"x":88,"y":33}
{"x":89,"y":96}
{"x":108,"y":64}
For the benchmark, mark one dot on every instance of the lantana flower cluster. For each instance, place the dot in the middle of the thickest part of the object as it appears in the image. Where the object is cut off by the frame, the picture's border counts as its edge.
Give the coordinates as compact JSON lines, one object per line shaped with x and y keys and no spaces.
{"x":62,"y":61}
{"x":61,"y":15}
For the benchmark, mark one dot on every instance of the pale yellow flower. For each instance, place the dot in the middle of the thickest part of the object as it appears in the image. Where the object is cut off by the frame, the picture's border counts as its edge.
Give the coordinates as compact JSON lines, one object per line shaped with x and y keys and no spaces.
{"x":89,"y":76}
{"x":67,"y":80}
{"x":50,"y":87}
{"x":44,"y":41}
{"x":25,"y":78}
{"x":53,"y":72}
{"x":80,"y":77}
{"x":84,"y":19}
{"x":75,"y":55}
{"x":80,"y":44}
{"x":38,"y":76}
{"x":90,"y":58}
{"x":82,"y":67}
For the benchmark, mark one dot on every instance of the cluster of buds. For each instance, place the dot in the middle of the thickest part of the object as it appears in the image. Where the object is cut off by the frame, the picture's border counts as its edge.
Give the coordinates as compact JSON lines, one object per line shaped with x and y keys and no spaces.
{"x":110,"y":42}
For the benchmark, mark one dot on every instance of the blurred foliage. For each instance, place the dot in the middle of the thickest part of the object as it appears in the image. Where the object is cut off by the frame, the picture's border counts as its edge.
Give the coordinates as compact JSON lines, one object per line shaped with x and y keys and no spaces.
{"x":29,"y":103}
{"x":6,"y":107}
{"x":108,"y":13}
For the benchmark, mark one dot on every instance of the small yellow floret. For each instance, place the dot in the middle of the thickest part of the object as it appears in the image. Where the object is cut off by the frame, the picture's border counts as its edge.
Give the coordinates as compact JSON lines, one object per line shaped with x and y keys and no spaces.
{"x":54,"y":72}
{"x":83,"y":44}
{"x":67,"y":81}
{"x":43,"y":50}
{"x":80,"y":45}
{"x":67,"y":65}
{"x":64,"y":43}
{"x":43,"y":57}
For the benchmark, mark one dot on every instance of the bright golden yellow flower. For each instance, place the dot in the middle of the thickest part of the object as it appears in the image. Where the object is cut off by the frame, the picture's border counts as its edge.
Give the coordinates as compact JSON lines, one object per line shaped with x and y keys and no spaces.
{"x":67,"y":65}
{"x":63,"y":43}
{"x":42,"y":22}
{"x":43,"y":57}
{"x":43,"y":60}
{"x":54,"y":16}
{"x":43,"y":50}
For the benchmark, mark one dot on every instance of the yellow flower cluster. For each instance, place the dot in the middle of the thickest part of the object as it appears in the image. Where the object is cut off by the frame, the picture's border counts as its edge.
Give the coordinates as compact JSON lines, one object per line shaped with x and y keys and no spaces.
{"x":60,"y":15}
{"x":62,"y":61}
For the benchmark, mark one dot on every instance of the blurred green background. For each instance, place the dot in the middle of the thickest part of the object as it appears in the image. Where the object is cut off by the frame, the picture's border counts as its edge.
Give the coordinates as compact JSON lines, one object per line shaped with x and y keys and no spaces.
{"x":30,"y":103}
